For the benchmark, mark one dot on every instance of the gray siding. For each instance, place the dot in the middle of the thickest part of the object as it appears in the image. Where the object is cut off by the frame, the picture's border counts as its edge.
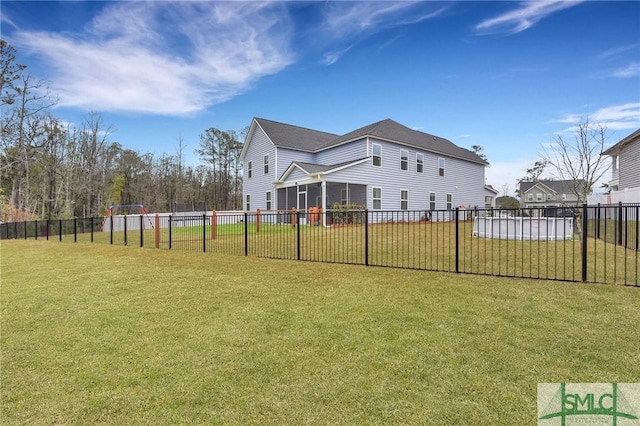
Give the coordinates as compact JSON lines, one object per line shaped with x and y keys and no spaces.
{"x":259,"y":183}
{"x":287,"y":156}
{"x":629,"y":165}
{"x":462,"y":179}
{"x":297,"y":174}
{"x":340,"y":154}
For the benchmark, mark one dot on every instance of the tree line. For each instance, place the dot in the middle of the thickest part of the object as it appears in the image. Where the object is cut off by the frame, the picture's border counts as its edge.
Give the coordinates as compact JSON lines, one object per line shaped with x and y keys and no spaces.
{"x":52,"y":169}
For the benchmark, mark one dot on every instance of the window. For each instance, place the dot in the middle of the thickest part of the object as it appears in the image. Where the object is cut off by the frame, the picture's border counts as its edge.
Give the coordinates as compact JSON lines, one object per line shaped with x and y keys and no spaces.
{"x":432,"y":201}
{"x":404,"y":200}
{"x":440,"y":166}
{"x":538,"y":197}
{"x":377,"y":198}
{"x":564,"y":197}
{"x":449,"y":201}
{"x":404,"y":160}
{"x":420,"y":163}
{"x":548,"y":196}
{"x":249,"y":169}
{"x":529,"y":197}
{"x":268,"y":200}
{"x":248,"y":202}
{"x":377,"y":154}
{"x":266,"y":164}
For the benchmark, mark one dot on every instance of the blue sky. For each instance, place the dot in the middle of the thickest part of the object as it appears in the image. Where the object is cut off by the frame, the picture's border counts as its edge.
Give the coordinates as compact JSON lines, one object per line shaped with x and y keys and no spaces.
{"x":503,"y":75}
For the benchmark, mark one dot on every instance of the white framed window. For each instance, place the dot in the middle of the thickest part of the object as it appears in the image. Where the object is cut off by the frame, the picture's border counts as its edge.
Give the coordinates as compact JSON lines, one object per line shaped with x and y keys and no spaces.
{"x":432,"y":201}
{"x":247,"y":202}
{"x":249,"y":169}
{"x":529,"y":197}
{"x":449,"y":201}
{"x":564,"y":197}
{"x":548,"y":196}
{"x":377,"y":198}
{"x":404,"y":199}
{"x":404,"y":159}
{"x":267,"y":198}
{"x":539,"y":197}
{"x":344,"y":196}
{"x":376,"y":148}
{"x":266,"y":164}
{"x":419,"y":163}
{"x":440,"y":166}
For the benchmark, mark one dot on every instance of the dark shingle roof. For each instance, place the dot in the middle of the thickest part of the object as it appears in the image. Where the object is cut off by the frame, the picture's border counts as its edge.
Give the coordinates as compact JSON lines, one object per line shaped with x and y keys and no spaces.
{"x":558,"y":186}
{"x":294,"y":137}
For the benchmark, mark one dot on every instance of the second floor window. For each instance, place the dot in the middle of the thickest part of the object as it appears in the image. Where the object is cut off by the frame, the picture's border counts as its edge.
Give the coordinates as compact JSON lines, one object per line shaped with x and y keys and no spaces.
{"x":529,"y":197}
{"x":539,"y":197}
{"x":249,"y":169}
{"x":404,"y":160}
{"x":377,"y":154}
{"x":419,"y":163}
{"x":266,"y":164}
{"x":440,"y":166}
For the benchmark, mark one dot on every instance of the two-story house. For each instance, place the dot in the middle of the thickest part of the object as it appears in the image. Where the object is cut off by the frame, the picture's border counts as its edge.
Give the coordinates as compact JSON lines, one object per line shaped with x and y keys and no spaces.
{"x":382,"y":166}
{"x":549,"y":194}
{"x":625,"y":169}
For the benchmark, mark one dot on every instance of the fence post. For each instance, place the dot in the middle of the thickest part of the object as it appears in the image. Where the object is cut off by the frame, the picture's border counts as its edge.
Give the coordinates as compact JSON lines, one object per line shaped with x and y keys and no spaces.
{"x":457,"y":239}
{"x":170,"y":231}
{"x":257,"y":221}
{"x":598,"y":222}
{"x":214,"y":225}
{"x":584,"y":242}
{"x":60,"y":229}
{"x":91,"y":218}
{"x":637,"y":226}
{"x":157,"y":231}
{"x":298,"y":233}
{"x":75,"y":229}
{"x":125,"y":229}
{"x":111,"y":230}
{"x":246,"y":234}
{"x":141,"y":232}
{"x":619,"y":224}
{"x":25,"y":229}
{"x":204,"y":232}
{"x":366,"y":237}
{"x":48,"y":226}
{"x":35,"y":230}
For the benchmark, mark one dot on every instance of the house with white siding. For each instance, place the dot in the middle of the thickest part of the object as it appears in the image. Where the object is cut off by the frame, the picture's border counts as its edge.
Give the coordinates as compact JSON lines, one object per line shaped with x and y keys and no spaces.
{"x":625,"y":169}
{"x":382,"y":166}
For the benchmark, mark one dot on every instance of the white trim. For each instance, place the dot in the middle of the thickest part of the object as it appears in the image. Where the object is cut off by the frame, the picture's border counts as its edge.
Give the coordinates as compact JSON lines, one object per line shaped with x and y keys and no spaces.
{"x":407,"y":199}
{"x":373,"y":198}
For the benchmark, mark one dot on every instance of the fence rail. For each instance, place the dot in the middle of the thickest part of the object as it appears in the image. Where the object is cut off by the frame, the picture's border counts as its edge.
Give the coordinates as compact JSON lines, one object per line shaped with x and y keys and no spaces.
{"x":591,"y":244}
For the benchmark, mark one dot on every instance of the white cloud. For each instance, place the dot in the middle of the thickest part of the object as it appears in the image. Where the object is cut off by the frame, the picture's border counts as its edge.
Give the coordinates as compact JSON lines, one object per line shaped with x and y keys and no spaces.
{"x":630,"y":71}
{"x":331,"y":58}
{"x":616,"y":117}
{"x":508,"y":173}
{"x":125,"y":60}
{"x":529,"y":13}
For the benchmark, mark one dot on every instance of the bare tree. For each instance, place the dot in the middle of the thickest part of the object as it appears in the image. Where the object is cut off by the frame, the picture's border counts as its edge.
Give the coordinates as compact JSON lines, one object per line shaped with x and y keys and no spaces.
{"x":577,"y":159}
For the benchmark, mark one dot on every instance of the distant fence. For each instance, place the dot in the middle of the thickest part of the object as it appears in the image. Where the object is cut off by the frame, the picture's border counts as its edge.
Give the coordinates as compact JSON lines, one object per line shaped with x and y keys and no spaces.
{"x":585,"y":244}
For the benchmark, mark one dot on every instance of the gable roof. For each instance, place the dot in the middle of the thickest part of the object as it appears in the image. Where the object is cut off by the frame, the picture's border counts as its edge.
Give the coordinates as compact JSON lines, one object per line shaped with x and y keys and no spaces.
{"x":313,"y":169}
{"x":309,"y":140}
{"x":294,"y":137}
{"x":557,"y":186}
{"x":616,"y":148}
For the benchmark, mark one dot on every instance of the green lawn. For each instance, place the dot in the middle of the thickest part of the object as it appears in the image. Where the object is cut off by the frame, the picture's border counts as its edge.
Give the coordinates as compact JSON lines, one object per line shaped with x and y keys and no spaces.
{"x":94,"y":334}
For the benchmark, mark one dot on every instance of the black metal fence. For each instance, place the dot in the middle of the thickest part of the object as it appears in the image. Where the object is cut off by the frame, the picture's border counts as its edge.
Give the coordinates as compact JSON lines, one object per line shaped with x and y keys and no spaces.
{"x":589,"y":244}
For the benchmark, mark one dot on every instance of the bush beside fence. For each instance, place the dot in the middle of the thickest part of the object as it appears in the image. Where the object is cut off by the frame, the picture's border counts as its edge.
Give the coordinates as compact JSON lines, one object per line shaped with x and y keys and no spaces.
{"x":598,"y":244}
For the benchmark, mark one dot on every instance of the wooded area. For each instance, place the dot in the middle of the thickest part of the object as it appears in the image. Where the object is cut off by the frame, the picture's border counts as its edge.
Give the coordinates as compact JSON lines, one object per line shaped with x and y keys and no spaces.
{"x":53,"y":169}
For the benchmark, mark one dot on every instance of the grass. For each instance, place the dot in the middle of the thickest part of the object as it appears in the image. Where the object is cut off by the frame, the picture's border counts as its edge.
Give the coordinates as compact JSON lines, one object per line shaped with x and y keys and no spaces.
{"x":93,"y":334}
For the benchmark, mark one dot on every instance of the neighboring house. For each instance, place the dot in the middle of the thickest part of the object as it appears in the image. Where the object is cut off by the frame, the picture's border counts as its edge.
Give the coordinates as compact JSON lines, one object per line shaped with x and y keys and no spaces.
{"x":549,"y":193}
{"x":382,"y":166}
{"x":625,"y":170}
{"x":490,"y":194}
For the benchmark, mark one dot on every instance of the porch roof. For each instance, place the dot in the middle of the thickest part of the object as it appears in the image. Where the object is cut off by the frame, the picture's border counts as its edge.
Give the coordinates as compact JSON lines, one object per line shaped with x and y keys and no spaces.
{"x":316,"y":169}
